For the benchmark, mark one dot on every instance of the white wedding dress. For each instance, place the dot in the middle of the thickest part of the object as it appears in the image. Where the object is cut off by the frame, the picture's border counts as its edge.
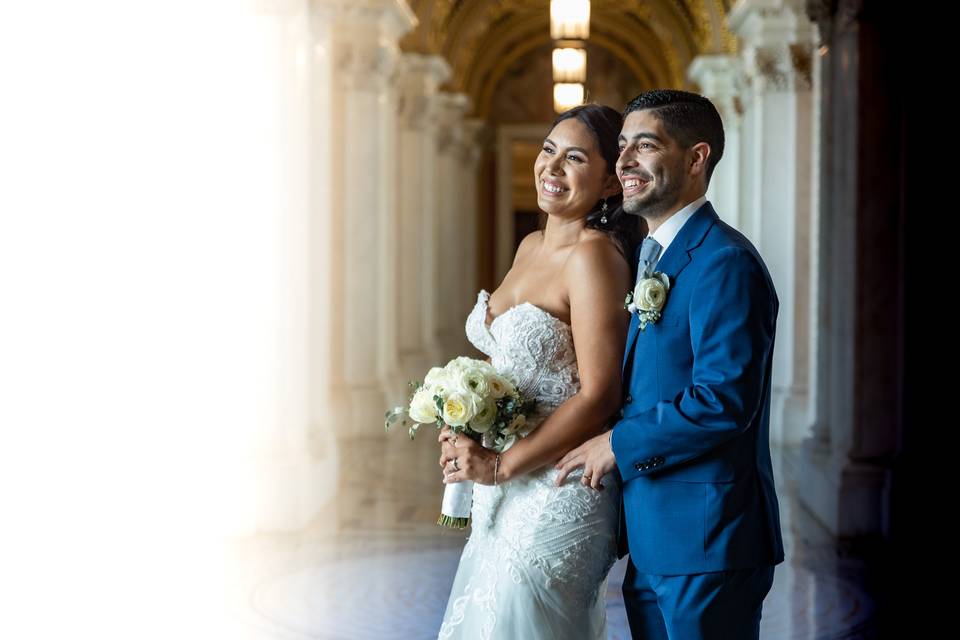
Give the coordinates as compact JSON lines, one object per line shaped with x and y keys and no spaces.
{"x":536,"y":562}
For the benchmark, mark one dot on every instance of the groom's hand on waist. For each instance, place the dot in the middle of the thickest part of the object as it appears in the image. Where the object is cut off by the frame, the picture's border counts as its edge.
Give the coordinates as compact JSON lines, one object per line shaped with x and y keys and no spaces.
{"x":595,"y":456}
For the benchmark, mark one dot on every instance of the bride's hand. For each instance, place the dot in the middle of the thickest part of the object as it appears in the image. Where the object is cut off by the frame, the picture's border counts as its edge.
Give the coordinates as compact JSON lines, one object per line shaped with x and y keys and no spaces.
{"x":473,"y":461}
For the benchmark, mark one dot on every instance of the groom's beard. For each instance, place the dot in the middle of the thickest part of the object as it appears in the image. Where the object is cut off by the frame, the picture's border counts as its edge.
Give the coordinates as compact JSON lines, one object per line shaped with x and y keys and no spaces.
{"x":660,"y":201}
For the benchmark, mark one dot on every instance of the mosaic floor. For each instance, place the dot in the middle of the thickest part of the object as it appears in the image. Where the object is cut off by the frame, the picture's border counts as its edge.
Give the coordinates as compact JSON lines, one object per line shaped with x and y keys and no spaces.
{"x":391,"y":581}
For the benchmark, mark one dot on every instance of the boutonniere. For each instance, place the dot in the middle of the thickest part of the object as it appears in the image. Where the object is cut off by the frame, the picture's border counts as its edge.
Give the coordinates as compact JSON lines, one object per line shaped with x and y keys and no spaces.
{"x":648,"y":298}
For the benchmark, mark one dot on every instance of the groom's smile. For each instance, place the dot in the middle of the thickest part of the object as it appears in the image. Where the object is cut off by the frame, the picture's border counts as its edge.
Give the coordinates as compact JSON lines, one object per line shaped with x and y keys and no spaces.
{"x":632,"y":185}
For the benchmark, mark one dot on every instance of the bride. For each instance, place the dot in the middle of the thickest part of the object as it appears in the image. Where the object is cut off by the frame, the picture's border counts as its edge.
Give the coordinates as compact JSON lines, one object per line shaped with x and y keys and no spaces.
{"x":536,"y":562}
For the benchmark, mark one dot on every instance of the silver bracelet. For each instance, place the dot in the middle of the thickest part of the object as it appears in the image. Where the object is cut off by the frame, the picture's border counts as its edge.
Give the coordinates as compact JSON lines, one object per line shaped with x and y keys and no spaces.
{"x":496,"y":466}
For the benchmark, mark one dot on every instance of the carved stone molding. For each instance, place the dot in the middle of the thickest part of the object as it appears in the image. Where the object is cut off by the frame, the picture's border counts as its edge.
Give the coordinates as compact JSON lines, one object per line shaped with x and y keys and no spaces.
{"x":785,"y":67}
{"x":721,"y":79}
{"x":419,"y":77}
{"x":778,"y":42}
{"x":365,"y":35}
{"x":477,"y":137}
{"x":390,"y":18}
{"x":451,"y":110}
{"x":364,"y":64}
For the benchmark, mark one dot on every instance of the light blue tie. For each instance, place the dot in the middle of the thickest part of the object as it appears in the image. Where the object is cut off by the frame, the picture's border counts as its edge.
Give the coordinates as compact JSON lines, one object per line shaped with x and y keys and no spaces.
{"x":649,"y":251}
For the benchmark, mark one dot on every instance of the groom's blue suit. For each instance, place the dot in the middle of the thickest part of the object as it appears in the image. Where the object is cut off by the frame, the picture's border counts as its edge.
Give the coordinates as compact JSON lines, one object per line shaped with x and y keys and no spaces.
{"x":700,"y":511}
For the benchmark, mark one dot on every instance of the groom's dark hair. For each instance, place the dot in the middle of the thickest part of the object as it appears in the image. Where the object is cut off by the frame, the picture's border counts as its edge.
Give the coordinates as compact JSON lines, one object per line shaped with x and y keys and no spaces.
{"x":689,"y":118}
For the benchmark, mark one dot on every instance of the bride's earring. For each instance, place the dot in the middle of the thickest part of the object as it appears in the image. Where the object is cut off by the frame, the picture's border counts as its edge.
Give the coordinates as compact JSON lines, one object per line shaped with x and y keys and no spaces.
{"x":603,"y":208}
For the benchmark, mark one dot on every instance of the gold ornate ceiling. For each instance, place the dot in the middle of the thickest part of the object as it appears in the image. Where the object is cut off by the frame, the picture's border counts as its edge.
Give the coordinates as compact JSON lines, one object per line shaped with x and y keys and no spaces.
{"x":655,"y":39}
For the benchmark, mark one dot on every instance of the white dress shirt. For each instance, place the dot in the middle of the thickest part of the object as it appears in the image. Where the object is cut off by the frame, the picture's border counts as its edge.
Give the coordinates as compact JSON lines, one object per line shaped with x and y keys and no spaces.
{"x":667,"y":231}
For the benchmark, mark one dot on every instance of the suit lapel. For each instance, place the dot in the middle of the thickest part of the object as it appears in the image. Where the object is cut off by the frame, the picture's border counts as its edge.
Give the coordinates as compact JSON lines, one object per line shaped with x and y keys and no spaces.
{"x":631,"y":338}
{"x":673,"y":261}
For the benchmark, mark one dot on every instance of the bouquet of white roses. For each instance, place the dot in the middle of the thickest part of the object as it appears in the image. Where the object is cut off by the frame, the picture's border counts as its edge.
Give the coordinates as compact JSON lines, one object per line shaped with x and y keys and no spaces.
{"x":474,"y":400}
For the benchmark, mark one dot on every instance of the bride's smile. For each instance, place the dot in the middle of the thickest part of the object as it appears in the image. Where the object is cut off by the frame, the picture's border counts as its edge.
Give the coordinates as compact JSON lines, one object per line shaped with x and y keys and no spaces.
{"x":552,"y":188}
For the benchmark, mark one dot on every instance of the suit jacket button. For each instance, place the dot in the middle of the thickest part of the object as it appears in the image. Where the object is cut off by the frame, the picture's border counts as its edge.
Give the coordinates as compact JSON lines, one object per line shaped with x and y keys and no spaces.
{"x":628,"y":399}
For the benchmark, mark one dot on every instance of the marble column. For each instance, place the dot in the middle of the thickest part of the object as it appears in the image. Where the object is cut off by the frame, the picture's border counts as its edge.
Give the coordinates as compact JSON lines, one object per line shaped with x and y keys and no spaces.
{"x":355,"y":356}
{"x":420,"y":79}
{"x":848,"y":462}
{"x":775,"y":186}
{"x":472,"y":143}
{"x":720,"y":79}
{"x":452,"y":229}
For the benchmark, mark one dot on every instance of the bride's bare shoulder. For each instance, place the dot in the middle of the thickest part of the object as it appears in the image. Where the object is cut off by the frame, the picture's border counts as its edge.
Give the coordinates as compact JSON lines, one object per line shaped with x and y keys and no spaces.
{"x":531,"y":241}
{"x":596,"y":262}
{"x":529,"y":244}
{"x":596,"y":249}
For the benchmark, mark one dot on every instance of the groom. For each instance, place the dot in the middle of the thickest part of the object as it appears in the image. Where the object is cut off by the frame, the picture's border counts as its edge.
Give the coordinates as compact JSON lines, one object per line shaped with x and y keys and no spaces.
{"x":692,"y":446}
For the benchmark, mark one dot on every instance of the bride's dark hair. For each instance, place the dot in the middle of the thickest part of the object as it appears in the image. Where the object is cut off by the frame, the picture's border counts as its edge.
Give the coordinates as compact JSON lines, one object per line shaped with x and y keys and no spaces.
{"x":605,"y":124}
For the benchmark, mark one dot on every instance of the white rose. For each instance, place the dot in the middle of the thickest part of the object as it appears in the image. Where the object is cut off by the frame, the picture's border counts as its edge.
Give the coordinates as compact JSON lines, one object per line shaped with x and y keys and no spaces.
{"x":423,"y":408}
{"x":474,"y":380}
{"x":651,"y":293}
{"x":459,"y":364}
{"x":439,"y":381}
{"x":483,"y":420}
{"x":459,"y":408}
{"x":499,"y":386}
{"x":434,"y":375}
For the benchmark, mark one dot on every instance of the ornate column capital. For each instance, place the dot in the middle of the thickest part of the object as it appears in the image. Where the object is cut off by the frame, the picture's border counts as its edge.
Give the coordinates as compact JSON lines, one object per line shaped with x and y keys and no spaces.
{"x":433,"y":71}
{"x":390,"y":18}
{"x":477,"y":136}
{"x":364,"y":64}
{"x":364,"y":36}
{"x":721,"y":79}
{"x":767,"y":22}
{"x":451,"y":110}
{"x":778,"y":41}
{"x":419,"y":79}
{"x":784,"y":67}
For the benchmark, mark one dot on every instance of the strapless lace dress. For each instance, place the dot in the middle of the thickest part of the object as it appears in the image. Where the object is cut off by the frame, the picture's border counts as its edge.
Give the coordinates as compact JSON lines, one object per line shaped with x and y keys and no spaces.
{"x":536,"y":562}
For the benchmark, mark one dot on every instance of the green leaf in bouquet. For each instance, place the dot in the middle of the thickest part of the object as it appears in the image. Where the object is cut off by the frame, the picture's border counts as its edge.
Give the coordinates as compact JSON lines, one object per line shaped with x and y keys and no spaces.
{"x":392,"y":416}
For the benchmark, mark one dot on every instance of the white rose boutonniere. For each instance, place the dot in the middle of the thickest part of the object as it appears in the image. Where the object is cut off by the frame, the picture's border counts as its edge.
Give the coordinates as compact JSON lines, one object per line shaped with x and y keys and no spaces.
{"x":648,"y":298}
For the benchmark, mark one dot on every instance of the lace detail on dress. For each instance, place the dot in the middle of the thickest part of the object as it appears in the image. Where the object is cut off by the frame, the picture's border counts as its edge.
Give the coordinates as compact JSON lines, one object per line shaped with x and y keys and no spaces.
{"x":532,"y":347}
{"x":536,"y":561}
